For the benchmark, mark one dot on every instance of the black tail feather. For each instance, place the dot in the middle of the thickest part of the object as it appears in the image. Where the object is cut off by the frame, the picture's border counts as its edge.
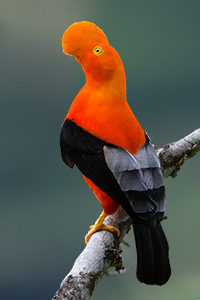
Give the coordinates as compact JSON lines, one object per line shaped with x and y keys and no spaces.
{"x":153,"y":265}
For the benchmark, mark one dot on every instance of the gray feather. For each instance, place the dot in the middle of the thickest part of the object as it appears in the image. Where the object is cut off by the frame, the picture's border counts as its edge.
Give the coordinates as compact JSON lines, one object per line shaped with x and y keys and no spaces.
{"x":138,"y":173}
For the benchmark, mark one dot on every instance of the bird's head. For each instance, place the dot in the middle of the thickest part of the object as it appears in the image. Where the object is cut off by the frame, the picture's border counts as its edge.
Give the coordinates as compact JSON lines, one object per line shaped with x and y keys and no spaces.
{"x":90,"y":47}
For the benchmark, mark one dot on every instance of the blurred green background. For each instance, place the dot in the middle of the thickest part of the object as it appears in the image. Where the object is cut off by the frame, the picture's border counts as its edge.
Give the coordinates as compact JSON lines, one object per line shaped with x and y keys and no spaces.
{"x":46,"y":208}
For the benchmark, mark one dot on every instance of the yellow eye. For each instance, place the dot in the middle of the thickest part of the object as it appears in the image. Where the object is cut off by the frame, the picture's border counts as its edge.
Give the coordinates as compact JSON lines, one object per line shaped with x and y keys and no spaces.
{"x":97,"y":50}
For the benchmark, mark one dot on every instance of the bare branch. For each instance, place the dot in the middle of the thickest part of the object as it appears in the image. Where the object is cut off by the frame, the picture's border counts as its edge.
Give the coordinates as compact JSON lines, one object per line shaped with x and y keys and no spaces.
{"x":103,"y":249}
{"x":173,"y":155}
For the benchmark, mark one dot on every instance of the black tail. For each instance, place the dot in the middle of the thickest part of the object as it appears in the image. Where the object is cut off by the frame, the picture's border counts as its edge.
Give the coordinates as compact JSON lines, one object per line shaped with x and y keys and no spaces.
{"x":153,"y":265}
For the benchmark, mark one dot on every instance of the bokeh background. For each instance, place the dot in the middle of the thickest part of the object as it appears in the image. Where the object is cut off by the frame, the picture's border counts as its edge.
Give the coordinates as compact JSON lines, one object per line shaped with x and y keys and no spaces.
{"x":46,"y":208}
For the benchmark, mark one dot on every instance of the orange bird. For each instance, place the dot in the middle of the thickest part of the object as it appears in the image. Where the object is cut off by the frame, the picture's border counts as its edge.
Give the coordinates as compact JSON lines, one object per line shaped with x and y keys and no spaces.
{"x":102,"y":137}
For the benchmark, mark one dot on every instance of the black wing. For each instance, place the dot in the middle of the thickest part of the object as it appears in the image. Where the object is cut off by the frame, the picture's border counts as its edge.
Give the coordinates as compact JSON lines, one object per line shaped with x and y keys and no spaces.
{"x":80,"y":148}
{"x":134,"y":181}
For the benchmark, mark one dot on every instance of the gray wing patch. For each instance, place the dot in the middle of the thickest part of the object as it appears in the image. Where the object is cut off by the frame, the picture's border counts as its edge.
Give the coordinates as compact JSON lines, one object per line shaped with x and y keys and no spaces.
{"x":139,"y":176}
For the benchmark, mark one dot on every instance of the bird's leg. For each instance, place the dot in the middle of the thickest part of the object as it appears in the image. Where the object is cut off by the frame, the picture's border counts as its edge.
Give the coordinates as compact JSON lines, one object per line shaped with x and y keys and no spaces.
{"x":100,"y":226}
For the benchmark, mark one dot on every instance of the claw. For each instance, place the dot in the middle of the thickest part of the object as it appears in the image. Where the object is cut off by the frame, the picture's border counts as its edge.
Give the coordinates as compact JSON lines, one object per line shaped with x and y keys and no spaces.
{"x":100,"y":226}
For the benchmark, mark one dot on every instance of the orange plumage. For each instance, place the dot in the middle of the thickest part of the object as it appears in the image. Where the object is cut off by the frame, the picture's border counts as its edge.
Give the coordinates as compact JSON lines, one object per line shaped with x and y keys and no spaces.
{"x":101,"y":107}
{"x":101,"y":135}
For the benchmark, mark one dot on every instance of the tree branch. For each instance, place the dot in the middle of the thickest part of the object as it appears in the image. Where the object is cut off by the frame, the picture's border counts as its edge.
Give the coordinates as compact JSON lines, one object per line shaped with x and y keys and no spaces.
{"x":172,"y":156}
{"x":103,"y":249}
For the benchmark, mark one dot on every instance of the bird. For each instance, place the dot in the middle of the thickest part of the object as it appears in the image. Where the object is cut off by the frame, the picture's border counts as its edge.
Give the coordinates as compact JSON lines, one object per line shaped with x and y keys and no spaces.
{"x":102,"y":137}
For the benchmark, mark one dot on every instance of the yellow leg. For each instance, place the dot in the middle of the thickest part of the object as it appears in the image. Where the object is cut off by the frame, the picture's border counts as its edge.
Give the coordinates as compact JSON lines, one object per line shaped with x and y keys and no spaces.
{"x":100,"y":226}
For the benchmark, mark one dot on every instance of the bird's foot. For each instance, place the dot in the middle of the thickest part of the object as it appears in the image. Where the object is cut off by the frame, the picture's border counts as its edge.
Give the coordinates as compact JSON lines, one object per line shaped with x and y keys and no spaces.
{"x":100,"y":226}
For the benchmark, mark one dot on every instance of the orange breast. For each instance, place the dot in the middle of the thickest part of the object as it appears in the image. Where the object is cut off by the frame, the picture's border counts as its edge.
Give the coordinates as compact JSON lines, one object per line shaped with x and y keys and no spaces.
{"x":108,"y":119}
